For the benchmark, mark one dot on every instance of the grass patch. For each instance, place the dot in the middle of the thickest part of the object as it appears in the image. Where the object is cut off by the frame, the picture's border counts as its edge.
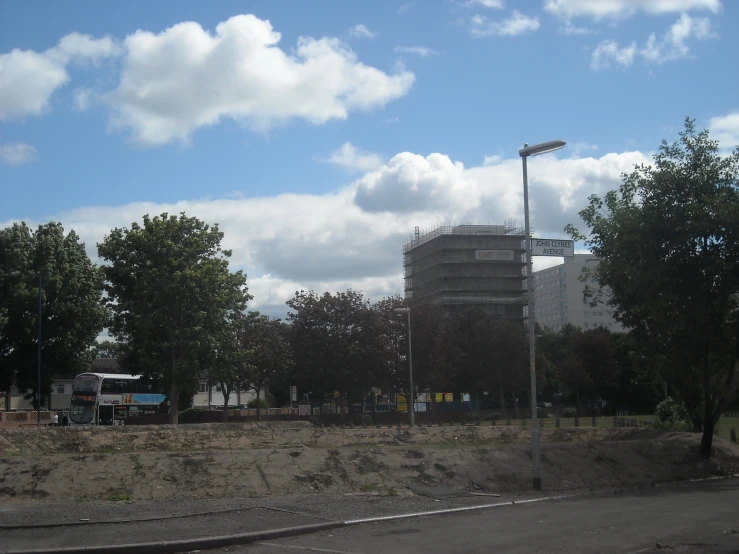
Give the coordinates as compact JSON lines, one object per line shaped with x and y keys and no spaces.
{"x":368,"y":487}
{"x":392,"y":492}
{"x":120,"y":497}
{"x":12,"y":452}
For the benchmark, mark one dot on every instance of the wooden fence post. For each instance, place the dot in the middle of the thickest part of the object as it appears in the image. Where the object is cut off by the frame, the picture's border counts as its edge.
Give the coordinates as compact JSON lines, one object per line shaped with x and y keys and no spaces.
{"x":577,"y":420}
{"x":594,"y":422}
{"x":557,"y":422}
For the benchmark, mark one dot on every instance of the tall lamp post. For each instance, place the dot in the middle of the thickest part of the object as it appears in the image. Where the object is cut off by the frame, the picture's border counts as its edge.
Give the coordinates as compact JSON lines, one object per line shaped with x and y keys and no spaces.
{"x":411,"y":401}
{"x":38,"y":347}
{"x":525,"y":152}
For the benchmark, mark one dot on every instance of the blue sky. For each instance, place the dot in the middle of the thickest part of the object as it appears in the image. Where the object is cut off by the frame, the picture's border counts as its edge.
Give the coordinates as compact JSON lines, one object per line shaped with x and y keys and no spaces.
{"x":319,"y":134}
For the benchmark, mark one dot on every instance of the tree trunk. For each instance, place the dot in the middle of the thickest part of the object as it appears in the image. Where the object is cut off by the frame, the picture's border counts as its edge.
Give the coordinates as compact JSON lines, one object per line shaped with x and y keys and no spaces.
{"x":504,"y":410}
{"x":707,"y":438}
{"x":579,"y":402}
{"x":226,"y":397}
{"x":433,"y":406}
{"x":709,"y":422}
{"x":174,"y":397}
{"x":238,"y":396}
{"x":515,"y":403}
{"x":259,"y":404}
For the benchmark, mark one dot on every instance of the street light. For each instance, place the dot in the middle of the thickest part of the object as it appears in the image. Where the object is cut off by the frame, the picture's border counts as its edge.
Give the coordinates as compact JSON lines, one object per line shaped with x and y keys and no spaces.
{"x":525,"y":152}
{"x":410,"y":402}
{"x":38,"y":348}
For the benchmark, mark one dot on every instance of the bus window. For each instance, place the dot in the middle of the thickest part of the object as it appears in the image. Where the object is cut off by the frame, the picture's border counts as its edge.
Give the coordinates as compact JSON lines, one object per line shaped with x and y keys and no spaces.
{"x":118,"y":386}
{"x":82,"y":413}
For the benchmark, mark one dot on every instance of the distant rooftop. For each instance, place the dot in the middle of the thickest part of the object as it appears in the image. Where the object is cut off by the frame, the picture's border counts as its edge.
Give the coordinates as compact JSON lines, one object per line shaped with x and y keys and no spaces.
{"x":509,"y":228}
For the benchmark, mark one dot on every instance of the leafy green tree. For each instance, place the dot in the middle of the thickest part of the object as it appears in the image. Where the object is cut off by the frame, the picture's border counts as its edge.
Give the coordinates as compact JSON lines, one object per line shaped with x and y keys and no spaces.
{"x":668,"y":244}
{"x":225,"y":364}
{"x":106,"y":349}
{"x":171,"y":294}
{"x":433,"y":367}
{"x":510,"y":369}
{"x":267,"y":351}
{"x":335,"y":338}
{"x":390,"y":373}
{"x":72,"y":312}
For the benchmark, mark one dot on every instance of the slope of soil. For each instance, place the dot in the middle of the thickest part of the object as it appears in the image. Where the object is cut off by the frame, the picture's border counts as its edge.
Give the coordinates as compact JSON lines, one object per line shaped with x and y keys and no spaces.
{"x":247,"y":460}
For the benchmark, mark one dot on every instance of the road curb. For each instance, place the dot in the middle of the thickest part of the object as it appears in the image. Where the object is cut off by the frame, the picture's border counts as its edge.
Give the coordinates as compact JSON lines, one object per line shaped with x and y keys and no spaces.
{"x":205,"y":543}
{"x":187,"y":545}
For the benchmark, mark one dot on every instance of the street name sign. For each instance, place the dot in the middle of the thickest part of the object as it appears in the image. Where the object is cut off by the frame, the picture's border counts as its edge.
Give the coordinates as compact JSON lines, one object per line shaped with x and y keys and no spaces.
{"x":552,"y":247}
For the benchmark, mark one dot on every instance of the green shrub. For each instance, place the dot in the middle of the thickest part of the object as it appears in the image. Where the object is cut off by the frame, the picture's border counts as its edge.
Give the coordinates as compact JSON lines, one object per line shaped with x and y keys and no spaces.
{"x":671,"y":415}
{"x":496,"y":416}
{"x":190,"y":415}
{"x":262,"y":403}
{"x":569,"y":412}
{"x":472,"y":418}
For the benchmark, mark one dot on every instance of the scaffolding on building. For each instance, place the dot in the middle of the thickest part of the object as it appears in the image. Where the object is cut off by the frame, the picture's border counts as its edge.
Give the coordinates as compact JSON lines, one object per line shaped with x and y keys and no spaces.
{"x":449,"y":264}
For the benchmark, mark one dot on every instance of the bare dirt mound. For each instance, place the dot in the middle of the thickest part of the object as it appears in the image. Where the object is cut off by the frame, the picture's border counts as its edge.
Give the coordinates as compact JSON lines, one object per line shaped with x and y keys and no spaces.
{"x":240,"y":436}
{"x":238,"y":460}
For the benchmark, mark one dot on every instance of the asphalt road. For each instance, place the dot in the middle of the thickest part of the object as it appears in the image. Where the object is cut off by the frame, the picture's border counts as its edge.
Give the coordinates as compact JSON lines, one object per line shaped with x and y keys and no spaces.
{"x":692,"y":518}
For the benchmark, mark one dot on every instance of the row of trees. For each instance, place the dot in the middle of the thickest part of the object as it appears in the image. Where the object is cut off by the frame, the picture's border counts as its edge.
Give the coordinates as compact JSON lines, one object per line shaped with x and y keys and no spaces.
{"x":668,"y":241}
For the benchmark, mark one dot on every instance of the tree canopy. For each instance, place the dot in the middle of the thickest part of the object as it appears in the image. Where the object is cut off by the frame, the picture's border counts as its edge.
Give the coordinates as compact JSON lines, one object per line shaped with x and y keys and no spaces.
{"x":72,"y":313}
{"x":668,"y":244}
{"x":171,"y":293}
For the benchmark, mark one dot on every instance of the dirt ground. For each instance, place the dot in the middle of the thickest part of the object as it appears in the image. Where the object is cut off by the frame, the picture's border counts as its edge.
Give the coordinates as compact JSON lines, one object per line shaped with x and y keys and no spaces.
{"x":254,"y":460}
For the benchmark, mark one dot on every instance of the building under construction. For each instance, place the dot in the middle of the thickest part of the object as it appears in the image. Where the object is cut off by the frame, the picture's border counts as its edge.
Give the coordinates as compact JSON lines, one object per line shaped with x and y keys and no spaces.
{"x":468,"y":266}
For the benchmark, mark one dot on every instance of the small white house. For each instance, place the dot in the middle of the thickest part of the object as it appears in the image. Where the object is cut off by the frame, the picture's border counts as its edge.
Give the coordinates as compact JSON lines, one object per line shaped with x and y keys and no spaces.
{"x":211,"y":397}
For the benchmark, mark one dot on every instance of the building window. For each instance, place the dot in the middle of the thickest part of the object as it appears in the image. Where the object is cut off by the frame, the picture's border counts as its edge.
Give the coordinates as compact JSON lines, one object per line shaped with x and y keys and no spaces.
{"x":600,"y":314}
{"x":203,"y":387}
{"x":60,"y":389}
{"x":218,"y":388}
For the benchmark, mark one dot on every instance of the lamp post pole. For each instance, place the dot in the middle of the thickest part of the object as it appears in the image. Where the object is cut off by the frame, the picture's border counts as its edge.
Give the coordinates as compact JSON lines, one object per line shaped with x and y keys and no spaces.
{"x":38,"y":355}
{"x":525,"y":152}
{"x":411,"y":400}
{"x":535,"y":439}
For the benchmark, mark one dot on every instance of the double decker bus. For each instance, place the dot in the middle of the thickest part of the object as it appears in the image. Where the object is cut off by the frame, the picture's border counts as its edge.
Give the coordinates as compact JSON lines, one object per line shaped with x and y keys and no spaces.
{"x":111,"y":398}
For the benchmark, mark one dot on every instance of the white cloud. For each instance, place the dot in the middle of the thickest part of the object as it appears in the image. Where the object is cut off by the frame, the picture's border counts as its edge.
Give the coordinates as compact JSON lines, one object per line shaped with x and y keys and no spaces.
{"x":352,"y":158}
{"x":184,"y":78}
{"x":29,"y":78}
{"x":671,"y":47}
{"x":725,"y":129}
{"x":492,"y":4}
{"x":517,"y":24}
{"x":608,"y":51}
{"x":17,"y":153}
{"x":576,"y":149}
{"x":361,"y":31}
{"x":405,"y":8}
{"x":570,"y":29}
{"x":420,"y":50}
{"x":604,"y":9}
{"x":83,"y":98}
{"x":353,"y":237}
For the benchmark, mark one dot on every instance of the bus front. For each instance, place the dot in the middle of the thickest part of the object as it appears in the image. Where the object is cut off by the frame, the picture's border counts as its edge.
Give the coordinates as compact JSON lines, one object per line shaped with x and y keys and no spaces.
{"x":84,"y":399}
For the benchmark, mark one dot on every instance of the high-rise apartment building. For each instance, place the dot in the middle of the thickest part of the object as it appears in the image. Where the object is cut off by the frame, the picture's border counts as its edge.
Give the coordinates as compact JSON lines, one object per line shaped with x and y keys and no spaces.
{"x":559,"y":297}
{"x":465,"y":266}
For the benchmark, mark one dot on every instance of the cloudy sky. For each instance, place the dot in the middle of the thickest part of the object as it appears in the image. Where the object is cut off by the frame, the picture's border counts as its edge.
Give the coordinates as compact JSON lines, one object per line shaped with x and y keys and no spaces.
{"x":319,"y":134}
